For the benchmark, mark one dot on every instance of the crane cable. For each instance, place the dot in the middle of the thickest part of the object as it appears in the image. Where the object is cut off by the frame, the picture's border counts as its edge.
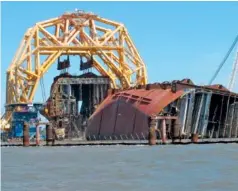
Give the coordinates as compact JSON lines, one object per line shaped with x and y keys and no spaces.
{"x":224,"y":60}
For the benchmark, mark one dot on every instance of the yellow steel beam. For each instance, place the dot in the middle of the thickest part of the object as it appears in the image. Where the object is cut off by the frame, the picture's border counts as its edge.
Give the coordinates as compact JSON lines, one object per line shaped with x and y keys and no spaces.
{"x":79,"y":48}
{"x":51,"y":37}
{"x":110,"y":35}
{"x":74,"y":34}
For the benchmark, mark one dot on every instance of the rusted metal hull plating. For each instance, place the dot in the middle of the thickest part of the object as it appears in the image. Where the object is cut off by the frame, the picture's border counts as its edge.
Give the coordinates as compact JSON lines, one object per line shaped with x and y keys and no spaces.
{"x":182,"y":110}
{"x":63,"y":104}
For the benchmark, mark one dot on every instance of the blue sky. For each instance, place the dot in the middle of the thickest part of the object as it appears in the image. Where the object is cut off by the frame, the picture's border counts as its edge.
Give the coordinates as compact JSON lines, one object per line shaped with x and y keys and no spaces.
{"x":175,"y":39}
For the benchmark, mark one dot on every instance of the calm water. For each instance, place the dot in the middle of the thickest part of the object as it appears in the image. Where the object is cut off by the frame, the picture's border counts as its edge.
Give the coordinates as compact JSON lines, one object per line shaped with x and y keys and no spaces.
{"x":104,"y":168}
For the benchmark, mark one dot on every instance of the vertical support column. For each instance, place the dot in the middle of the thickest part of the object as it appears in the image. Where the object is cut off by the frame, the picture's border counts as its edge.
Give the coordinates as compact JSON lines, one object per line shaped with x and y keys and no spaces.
{"x":185,"y":115}
{"x":152,"y":136}
{"x":105,"y":88}
{"x":206,"y":111}
{"x":194,"y":135}
{"x":69,"y":98}
{"x":175,"y":131}
{"x":225,"y":123}
{"x":197,"y":123}
{"x":80,"y":92}
{"x":194,"y":138}
{"x":69,"y":90}
{"x":97,"y":94}
{"x":53,"y":136}
{"x":236,"y":120}
{"x":37,"y":135}
{"x":233,"y":119}
{"x":219,"y":122}
{"x":152,"y":131}
{"x":164,"y":137}
{"x":49,"y":134}
{"x":188,"y":127}
{"x":94,"y":95}
{"x":101,"y":91}
{"x":232,"y":110}
{"x":26,"y":138}
{"x":90,"y":104}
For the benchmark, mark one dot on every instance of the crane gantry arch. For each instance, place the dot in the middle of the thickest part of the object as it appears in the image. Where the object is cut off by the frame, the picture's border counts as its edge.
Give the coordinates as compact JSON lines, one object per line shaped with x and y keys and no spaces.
{"x":77,"y":33}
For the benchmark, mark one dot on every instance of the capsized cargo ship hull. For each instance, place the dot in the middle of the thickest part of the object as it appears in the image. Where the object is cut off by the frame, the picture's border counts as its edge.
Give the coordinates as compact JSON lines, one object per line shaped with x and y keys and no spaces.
{"x":177,"y":110}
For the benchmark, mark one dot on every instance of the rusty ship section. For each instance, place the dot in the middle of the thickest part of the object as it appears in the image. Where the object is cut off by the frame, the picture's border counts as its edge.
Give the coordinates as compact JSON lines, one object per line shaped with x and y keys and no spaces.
{"x":73,"y":99}
{"x":177,"y":110}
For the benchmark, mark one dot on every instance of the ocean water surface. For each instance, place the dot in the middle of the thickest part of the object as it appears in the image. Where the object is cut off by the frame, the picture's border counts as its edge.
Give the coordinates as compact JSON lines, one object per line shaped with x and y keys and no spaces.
{"x":211,"y":167}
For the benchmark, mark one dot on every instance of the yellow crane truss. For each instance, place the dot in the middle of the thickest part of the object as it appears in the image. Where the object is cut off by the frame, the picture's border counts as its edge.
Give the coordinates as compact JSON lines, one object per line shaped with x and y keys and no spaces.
{"x":77,"y":33}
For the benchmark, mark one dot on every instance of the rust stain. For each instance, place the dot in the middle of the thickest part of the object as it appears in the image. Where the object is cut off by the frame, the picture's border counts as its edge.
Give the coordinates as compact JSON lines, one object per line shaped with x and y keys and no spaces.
{"x":149,"y":102}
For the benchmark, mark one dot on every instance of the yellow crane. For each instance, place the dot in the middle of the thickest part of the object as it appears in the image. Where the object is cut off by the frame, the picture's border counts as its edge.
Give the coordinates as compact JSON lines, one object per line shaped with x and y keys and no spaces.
{"x":76,"y":33}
